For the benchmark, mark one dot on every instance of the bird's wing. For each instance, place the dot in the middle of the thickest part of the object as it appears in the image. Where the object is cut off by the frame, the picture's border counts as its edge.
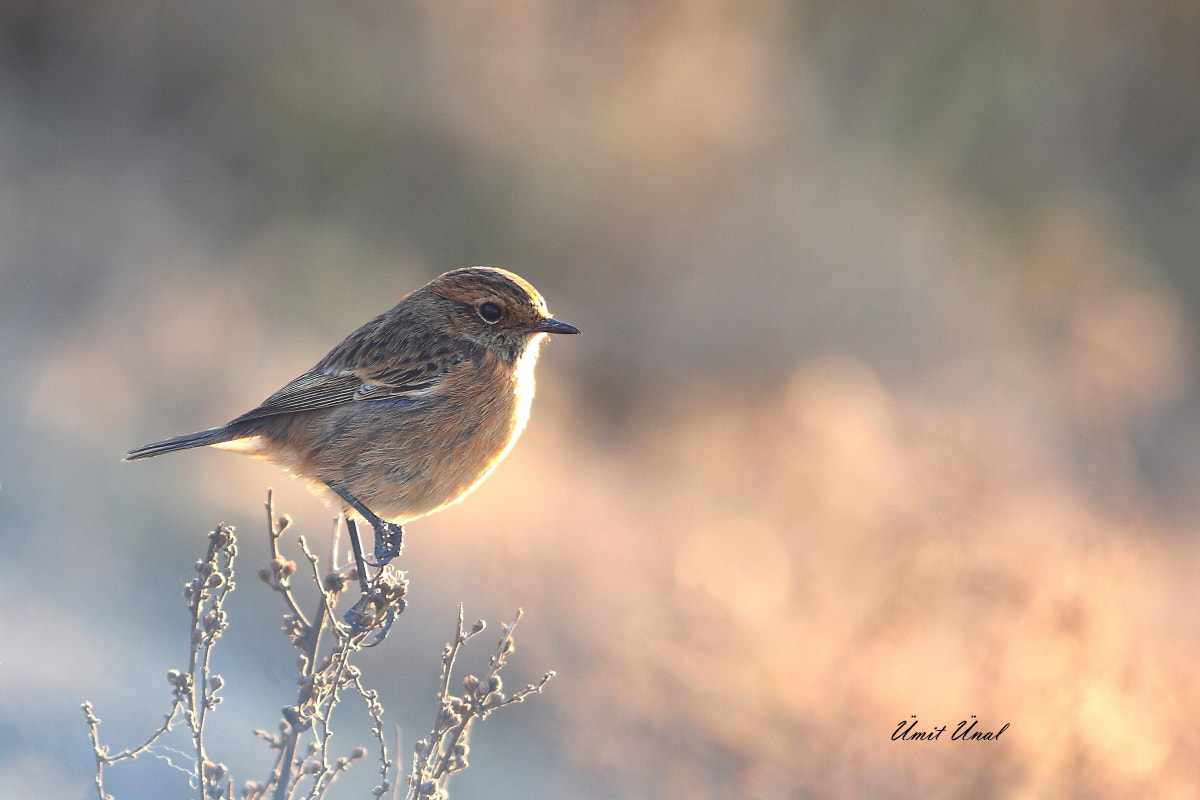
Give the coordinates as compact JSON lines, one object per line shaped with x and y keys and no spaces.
{"x":326,"y":385}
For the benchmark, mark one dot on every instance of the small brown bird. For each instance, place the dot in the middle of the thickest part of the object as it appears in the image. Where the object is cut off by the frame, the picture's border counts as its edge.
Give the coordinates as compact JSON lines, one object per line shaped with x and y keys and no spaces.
{"x":411,"y":411}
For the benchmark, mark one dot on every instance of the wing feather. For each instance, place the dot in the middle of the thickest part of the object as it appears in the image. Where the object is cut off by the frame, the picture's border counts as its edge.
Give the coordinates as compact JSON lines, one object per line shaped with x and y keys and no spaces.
{"x":328,"y":385}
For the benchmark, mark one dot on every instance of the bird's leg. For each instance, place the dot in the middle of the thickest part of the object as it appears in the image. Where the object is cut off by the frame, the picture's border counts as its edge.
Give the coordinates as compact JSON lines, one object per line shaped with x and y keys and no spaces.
{"x":359,"y":562}
{"x":389,"y":537}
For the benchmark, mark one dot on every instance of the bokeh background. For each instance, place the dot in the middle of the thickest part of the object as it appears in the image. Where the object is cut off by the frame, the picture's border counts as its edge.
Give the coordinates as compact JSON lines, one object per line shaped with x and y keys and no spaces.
{"x":886,"y":403}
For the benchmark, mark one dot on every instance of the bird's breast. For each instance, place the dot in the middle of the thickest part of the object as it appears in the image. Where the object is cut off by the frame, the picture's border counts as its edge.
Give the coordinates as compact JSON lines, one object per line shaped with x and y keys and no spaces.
{"x":408,"y":456}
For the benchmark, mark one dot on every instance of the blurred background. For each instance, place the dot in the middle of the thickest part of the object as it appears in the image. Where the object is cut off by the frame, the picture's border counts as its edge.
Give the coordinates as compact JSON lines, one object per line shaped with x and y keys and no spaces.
{"x":886,"y":404}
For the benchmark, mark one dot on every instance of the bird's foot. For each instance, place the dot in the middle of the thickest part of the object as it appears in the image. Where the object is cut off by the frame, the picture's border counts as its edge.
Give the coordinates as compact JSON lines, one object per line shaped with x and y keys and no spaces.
{"x":379,"y":605}
{"x":389,"y":541}
{"x":382,"y":595}
{"x":361,"y":620}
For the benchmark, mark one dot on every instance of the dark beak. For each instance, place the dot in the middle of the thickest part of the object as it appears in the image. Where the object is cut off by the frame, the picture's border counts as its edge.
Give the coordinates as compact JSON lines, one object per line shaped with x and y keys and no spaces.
{"x":549,"y":325}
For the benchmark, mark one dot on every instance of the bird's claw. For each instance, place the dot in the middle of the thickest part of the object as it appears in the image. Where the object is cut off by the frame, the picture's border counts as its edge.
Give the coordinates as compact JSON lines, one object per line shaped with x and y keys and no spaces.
{"x":360,"y":621}
{"x":389,"y":542}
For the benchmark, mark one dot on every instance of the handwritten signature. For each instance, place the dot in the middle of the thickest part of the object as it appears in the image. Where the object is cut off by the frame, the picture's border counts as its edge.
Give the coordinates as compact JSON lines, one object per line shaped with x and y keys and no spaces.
{"x":965,"y":732}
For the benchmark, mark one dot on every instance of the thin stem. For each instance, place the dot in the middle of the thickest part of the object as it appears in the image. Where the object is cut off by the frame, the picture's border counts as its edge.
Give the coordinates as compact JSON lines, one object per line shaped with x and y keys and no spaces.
{"x":275,"y":530}
{"x":93,"y":723}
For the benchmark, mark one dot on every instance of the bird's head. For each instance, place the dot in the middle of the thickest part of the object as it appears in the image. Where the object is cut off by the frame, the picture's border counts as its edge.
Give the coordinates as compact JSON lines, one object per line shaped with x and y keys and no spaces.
{"x":494,"y":308}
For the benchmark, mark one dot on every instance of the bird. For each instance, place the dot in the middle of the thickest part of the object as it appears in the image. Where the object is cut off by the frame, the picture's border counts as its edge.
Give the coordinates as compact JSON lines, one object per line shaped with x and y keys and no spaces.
{"x":411,"y":411}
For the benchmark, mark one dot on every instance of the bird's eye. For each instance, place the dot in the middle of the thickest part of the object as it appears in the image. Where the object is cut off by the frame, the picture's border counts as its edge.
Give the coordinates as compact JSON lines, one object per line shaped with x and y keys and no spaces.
{"x":490,"y":313}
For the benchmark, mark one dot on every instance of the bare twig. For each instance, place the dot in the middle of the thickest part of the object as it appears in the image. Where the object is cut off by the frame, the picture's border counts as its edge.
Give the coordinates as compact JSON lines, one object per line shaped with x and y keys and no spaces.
{"x":194,"y":691}
{"x":304,"y":765}
{"x":322,"y":677}
{"x":206,"y":595}
{"x":445,"y":750}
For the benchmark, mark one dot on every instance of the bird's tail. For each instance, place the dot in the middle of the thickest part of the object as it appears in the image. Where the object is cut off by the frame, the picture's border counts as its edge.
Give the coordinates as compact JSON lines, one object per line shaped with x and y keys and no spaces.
{"x":200,"y":439}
